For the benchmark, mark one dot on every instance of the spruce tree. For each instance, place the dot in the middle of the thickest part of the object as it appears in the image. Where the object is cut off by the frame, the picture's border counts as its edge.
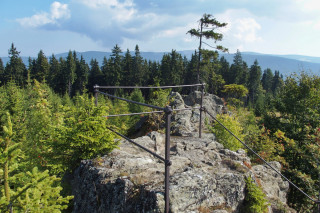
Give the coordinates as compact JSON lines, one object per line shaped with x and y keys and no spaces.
{"x":128,"y":71}
{"x":207,"y":30}
{"x":41,"y":68}
{"x":138,"y":67}
{"x":266,"y":80}
{"x":238,"y":70}
{"x":70,"y":69}
{"x":54,"y":75}
{"x":116,"y":63}
{"x":15,"y":69}
{"x":254,"y":82}
{"x":82,"y":72}
{"x":95,"y":75}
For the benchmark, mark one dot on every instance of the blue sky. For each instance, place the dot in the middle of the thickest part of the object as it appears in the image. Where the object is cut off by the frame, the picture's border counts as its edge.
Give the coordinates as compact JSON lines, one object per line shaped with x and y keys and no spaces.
{"x":264,"y":26}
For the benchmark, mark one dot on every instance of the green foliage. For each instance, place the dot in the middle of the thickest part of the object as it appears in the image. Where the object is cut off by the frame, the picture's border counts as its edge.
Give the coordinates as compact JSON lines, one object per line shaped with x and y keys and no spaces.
{"x":254,"y":83}
{"x":24,"y":190}
{"x":238,"y":70}
{"x":136,"y":95}
{"x":296,"y":114}
{"x":45,"y":135}
{"x":223,"y":136}
{"x":255,"y":200}
{"x":235,"y":94}
{"x":121,"y":123}
{"x":81,"y":135}
{"x":39,"y":193}
{"x":269,"y":146}
{"x":15,"y":69}
{"x":172,"y":69}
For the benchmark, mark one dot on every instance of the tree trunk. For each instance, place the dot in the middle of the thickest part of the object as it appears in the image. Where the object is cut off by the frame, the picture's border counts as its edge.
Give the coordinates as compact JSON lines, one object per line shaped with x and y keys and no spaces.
{"x":199,"y":60}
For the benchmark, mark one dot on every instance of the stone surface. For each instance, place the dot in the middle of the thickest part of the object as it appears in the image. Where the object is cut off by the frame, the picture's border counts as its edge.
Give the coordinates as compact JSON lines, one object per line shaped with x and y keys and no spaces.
{"x":204,"y":177}
{"x":186,"y":123}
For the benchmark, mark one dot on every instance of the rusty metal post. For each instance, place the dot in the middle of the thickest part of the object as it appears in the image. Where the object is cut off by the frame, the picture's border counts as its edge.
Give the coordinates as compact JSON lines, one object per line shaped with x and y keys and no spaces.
{"x":201,"y":109}
{"x":168,"y":111}
{"x":96,"y":90}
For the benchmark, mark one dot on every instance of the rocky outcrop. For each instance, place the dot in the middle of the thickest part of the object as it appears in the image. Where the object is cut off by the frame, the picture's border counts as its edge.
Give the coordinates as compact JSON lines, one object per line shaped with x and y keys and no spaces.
{"x":186,"y":123}
{"x":204,"y":177}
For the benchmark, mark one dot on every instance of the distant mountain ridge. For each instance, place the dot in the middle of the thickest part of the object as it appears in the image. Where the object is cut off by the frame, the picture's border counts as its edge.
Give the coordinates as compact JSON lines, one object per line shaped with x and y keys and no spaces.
{"x":286,"y":64}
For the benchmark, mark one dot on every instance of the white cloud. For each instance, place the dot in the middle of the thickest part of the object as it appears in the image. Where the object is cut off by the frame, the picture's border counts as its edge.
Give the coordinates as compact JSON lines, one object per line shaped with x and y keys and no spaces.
{"x":317,"y":25}
{"x":242,"y":31}
{"x":119,"y":11}
{"x":246,"y":30}
{"x":107,"y":3}
{"x":58,"y":11}
{"x":308,"y":5}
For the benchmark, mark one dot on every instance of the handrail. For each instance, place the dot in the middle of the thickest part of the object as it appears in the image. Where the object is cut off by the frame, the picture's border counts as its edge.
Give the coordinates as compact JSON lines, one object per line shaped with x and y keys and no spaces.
{"x":130,"y":101}
{"x":152,"y":112}
{"x":168,"y":112}
{"x":304,"y":193}
{"x":144,"y":87}
{"x":136,"y":113}
{"x":142,"y":147}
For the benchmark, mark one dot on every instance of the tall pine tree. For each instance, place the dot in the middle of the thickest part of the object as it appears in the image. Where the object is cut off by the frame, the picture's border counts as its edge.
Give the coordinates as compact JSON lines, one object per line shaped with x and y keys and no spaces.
{"x":15,"y":69}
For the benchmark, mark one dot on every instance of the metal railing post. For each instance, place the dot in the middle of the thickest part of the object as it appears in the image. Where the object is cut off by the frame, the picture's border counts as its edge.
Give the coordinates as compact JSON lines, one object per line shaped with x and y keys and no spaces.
{"x":168,"y":111}
{"x":201,"y":109}
{"x":96,"y":92}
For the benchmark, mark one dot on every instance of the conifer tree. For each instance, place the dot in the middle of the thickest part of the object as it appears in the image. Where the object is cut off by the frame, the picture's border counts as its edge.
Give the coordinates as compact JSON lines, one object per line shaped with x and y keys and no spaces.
{"x":266,"y":80}
{"x":207,"y":30}
{"x":54,"y":75}
{"x":172,"y":68}
{"x":41,"y":68}
{"x":254,"y":82}
{"x":70,"y":69}
{"x":190,"y":76}
{"x":15,"y":68}
{"x":82,"y":72}
{"x":128,"y":72}
{"x":116,"y":63}
{"x":224,"y":70}
{"x":238,"y":70}
{"x":277,"y":82}
{"x":137,"y":67}
{"x":95,"y":75}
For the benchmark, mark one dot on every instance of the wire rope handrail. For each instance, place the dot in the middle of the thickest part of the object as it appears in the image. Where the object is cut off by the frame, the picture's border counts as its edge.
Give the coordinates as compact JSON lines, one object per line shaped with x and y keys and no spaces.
{"x":130,"y":101}
{"x":140,"y":146}
{"x":168,"y":111}
{"x":145,"y":87}
{"x":136,"y":113}
{"x":152,"y":112}
{"x":304,"y":193}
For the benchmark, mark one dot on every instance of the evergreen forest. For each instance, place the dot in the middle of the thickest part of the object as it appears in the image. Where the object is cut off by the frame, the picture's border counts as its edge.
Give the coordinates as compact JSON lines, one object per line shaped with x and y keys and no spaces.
{"x":49,"y":121}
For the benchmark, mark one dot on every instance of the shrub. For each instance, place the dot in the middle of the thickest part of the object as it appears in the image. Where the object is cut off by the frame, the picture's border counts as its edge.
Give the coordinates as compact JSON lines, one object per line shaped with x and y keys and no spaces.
{"x":223,"y":136}
{"x":255,"y":200}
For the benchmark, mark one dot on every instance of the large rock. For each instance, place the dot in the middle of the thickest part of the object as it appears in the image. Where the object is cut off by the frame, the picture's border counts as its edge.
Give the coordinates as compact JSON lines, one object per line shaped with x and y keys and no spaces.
{"x":186,"y":123}
{"x":204,"y":177}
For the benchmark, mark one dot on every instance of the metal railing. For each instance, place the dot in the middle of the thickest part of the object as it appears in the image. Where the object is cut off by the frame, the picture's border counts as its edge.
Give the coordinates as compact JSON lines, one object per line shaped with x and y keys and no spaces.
{"x":168,"y":112}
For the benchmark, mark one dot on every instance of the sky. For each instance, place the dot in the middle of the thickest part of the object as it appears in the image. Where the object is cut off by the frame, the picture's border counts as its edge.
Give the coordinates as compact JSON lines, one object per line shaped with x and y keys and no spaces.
{"x":263,"y":26}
